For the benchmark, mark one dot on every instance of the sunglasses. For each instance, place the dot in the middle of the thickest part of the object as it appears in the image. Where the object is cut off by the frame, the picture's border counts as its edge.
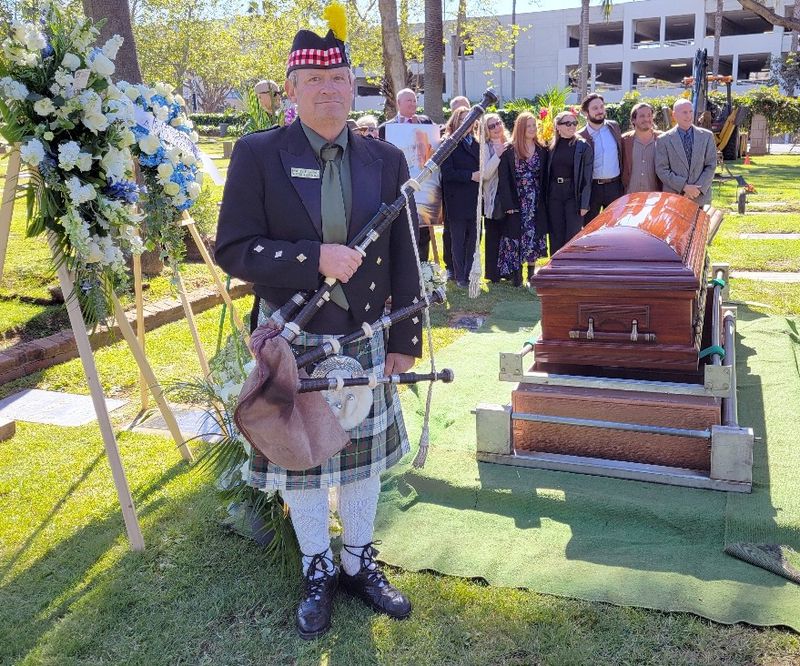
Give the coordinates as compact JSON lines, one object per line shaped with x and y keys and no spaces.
{"x":570,"y":123}
{"x":491,"y":126}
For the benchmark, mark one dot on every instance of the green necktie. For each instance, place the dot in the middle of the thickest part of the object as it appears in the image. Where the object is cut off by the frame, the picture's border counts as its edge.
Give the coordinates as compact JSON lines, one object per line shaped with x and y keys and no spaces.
{"x":334,"y":218}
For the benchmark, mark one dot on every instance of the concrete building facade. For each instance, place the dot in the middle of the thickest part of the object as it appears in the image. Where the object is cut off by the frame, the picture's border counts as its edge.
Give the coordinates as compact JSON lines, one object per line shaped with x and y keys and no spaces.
{"x":645,"y":45}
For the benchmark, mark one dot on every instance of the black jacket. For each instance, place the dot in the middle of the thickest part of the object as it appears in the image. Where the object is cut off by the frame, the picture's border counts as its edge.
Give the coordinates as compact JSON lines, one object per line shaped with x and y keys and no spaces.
{"x":507,"y":193}
{"x":270,"y":226}
{"x":459,"y":191}
{"x":582,"y":167}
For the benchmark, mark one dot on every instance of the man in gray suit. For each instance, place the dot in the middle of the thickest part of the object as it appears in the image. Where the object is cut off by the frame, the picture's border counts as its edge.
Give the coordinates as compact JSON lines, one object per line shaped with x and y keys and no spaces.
{"x":686,"y":156}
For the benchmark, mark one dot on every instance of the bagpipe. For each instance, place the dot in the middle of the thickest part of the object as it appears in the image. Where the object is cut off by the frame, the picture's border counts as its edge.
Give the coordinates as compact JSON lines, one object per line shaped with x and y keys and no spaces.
{"x":278,"y":398}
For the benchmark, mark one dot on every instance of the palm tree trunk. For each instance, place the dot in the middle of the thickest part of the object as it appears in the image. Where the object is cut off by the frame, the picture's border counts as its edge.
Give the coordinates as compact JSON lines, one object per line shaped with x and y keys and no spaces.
{"x":118,"y":15}
{"x":434,"y":60}
{"x":458,"y":44}
{"x":717,"y":36}
{"x":514,"y":52}
{"x":795,"y":32}
{"x":583,"y":60}
{"x":394,"y":59}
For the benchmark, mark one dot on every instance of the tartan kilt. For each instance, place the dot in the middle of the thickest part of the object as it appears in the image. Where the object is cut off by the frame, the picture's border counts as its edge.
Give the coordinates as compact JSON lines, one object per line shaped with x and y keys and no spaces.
{"x":376,"y":443}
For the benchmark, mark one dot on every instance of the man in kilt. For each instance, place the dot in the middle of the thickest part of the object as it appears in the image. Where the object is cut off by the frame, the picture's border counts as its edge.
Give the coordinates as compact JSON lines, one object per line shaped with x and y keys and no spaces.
{"x":294,"y":197}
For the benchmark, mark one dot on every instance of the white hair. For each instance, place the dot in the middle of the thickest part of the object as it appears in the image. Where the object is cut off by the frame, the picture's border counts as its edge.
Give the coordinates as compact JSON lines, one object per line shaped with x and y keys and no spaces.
{"x":680,"y":102}
{"x":404,"y":91}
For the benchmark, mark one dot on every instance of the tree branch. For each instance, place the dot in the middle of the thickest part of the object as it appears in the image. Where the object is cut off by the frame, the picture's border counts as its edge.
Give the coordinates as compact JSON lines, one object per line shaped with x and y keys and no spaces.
{"x":770,"y":16}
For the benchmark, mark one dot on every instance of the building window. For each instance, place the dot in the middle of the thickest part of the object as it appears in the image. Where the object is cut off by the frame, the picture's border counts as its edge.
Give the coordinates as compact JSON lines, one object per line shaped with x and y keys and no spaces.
{"x":679,"y":28}
{"x":646,"y":32}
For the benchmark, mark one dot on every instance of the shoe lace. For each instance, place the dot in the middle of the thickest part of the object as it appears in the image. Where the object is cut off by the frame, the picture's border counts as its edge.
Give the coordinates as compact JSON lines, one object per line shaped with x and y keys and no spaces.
{"x":366,"y":558}
{"x":315,"y":584}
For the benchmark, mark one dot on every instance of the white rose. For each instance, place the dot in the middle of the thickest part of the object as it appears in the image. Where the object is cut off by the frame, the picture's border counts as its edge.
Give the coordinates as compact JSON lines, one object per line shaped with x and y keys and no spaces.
{"x":44,"y":106}
{"x":84,"y":162}
{"x":165,"y":171}
{"x":71,"y":61}
{"x":163,"y":89}
{"x":132,"y":93}
{"x":32,"y":152}
{"x":198,"y":177}
{"x":172,"y":189}
{"x":111,"y":47}
{"x":194,"y":136}
{"x":126,"y":138}
{"x":193,"y":190}
{"x":161,"y":113}
{"x":174,"y":155}
{"x":95,"y":122}
{"x":34,"y":40}
{"x":149,"y":144}
{"x":101,"y":65}
{"x":188,"y":159}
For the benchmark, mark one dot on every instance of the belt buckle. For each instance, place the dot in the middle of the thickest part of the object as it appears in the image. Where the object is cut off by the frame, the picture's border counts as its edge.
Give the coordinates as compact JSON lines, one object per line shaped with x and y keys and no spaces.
{"x":560,"y":181}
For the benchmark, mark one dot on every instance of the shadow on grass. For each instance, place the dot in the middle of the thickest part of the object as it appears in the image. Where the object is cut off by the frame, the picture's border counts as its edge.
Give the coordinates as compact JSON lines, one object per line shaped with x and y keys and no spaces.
{"x":196,"y":595}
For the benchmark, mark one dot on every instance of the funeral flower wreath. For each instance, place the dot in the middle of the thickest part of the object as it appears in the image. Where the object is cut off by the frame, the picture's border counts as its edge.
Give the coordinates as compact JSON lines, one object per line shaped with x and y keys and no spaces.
{"x":73,"y":125}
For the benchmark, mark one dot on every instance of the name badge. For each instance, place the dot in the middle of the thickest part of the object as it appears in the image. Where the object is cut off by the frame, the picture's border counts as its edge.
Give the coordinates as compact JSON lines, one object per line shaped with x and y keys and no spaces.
{"x":305,"y":173}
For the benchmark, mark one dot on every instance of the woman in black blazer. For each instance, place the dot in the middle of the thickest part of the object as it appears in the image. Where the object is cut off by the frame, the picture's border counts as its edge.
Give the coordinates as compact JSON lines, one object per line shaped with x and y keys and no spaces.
{"x":460,"y":177}
{"x":519,"y":188}
{"x":568,"y":181}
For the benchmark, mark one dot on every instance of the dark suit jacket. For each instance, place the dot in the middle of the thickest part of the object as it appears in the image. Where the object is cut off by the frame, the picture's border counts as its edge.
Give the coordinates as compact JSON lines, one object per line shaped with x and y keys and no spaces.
{"x":615,"y":132}
{"x":270,"y":226}
{"x":581,"y":173}
{"x":419,"y":119}
{"x":627,"y":157}
{"x":507,"y":192}
{"x":459,"y":191}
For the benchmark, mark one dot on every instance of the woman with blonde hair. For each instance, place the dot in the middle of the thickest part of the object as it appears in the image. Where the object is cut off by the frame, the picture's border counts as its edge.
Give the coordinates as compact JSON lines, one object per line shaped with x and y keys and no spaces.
{"x":460,"y":175}
{"x":568,"y":181}
{"x":492,"y":149}
{"x":520,"y":191}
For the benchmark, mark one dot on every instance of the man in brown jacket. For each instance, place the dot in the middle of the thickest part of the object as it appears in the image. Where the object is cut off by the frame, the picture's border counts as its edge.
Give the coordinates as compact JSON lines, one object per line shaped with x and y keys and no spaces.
{"x":605,"y":138}
{"x":639,"y":152}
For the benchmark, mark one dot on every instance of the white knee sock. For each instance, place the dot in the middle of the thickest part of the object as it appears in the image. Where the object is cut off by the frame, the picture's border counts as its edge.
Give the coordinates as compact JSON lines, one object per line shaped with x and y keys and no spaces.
{"x":310,"y":516}
{"x":358,"y":503}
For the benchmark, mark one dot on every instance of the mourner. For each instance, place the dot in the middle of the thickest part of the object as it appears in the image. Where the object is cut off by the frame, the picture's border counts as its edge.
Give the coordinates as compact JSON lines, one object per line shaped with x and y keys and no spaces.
{"x":294,"y":196}
{"x":406,"y":101}
{"x":493,"y":148}
{"x":686,"y":156}
{"x":269,"y":95}
{"x":521,"y":175}
{"x":605,"y":138}
{"x":568,"y":181}
{"x":458,"y":102}
{"x":460,"y":176}
{"x":367,"y":126}
{"x":639,"y":152}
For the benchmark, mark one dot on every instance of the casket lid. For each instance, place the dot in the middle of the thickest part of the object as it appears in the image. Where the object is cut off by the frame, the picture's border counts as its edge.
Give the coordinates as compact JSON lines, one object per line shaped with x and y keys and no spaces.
{"x":642,"y":239}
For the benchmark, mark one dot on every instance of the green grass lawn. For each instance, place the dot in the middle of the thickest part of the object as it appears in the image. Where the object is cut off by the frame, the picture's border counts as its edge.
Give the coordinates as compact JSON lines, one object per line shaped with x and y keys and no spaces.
{"x":71,"y":592}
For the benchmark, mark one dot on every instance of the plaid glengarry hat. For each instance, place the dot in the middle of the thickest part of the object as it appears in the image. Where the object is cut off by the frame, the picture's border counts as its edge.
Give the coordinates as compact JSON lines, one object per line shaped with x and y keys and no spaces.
{"x":309,"y":50}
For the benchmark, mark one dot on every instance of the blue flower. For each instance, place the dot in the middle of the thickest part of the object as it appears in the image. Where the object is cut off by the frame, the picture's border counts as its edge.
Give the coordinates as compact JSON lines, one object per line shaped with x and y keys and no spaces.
{"x":152,"y":160}
{"x":124,"y":190}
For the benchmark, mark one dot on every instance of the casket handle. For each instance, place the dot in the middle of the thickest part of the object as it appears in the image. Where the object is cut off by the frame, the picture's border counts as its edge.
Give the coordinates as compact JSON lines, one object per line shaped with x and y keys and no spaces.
{"x":633,"y":336}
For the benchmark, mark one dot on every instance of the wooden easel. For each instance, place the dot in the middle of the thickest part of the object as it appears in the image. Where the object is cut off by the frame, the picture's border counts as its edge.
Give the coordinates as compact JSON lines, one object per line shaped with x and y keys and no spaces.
{"x":132,"y":526}
{"x":189,"y":223}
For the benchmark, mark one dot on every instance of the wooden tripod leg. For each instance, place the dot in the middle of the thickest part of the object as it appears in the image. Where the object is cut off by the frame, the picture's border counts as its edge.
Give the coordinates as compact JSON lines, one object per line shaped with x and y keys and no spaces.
{"x":98,"y":399}
{"x":187,"y":309}
{"x":144,"y":394}
{"x":434,"y":244}
{"x":152,"y":382}
{"x":7,"y":207}
{"x":226,"y":297}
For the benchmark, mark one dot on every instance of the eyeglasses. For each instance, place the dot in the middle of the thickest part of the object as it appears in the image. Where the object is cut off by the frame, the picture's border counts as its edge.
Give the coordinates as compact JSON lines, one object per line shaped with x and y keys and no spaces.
{"x":364,"y":129}
{"x":491,"y":126}
{"x":569,"y":123}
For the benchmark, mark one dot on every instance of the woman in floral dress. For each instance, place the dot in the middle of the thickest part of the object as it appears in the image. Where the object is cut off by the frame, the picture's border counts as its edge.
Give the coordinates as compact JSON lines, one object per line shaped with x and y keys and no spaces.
{"x":520,"y":190}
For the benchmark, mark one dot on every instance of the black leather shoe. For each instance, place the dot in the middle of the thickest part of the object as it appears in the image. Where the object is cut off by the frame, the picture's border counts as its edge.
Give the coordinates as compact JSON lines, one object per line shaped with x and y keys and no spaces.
{"x":370,"y":585}
{"x":313,"y":617}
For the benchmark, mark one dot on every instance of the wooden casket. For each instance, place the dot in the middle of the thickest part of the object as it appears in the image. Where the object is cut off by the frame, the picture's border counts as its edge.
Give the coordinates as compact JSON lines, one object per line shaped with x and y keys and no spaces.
{"x":629,"y":290}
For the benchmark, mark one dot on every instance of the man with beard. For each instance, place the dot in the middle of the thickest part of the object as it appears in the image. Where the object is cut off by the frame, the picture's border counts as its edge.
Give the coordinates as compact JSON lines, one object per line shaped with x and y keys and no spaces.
{"x":605,"y":138}
{"x":639,"y":152}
